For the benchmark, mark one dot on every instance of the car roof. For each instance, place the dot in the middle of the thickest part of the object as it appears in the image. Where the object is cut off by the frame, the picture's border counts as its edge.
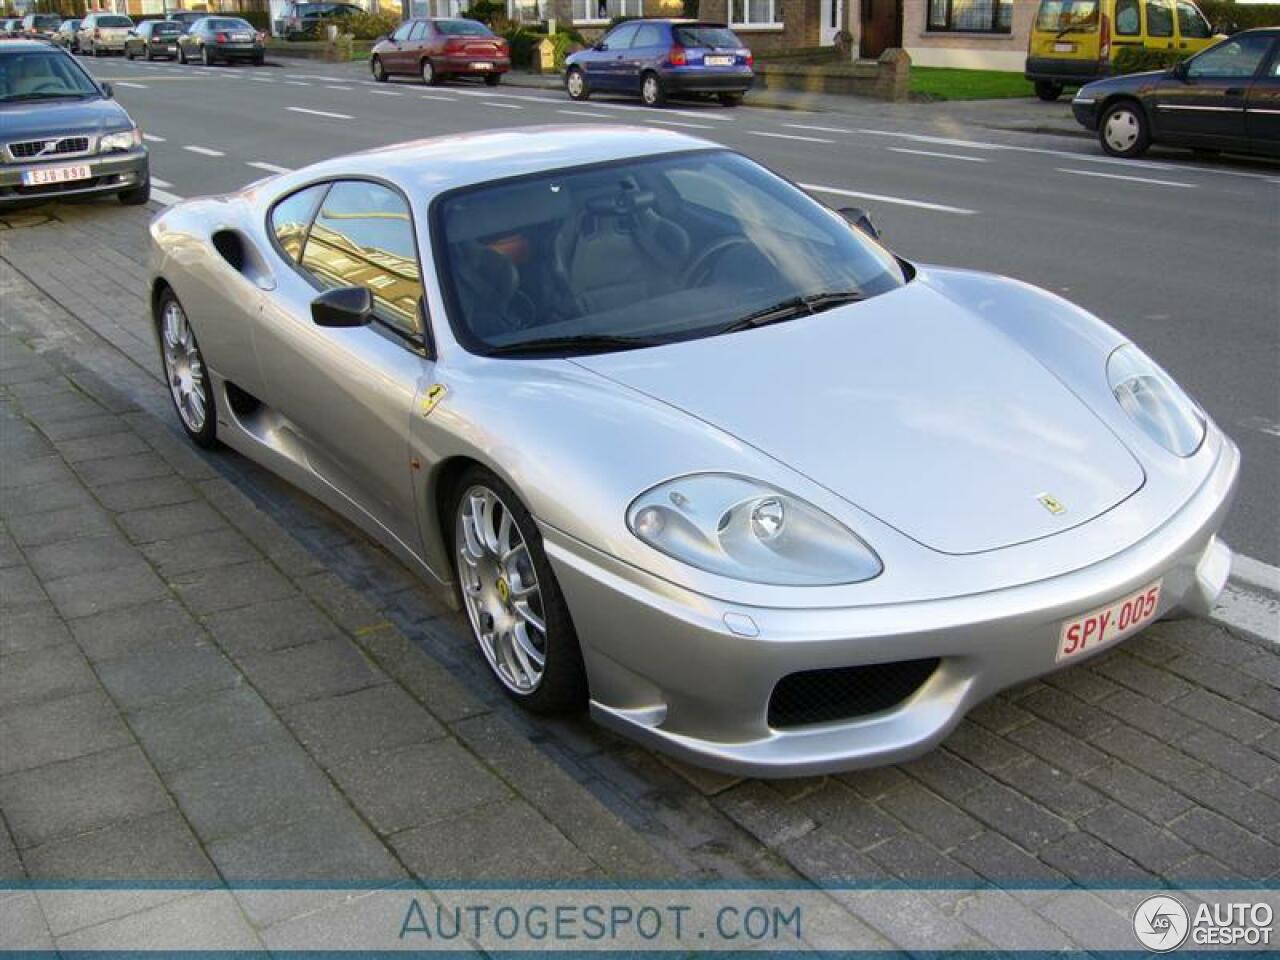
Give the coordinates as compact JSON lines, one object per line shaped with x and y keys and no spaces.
{"x":434,"y":165}
{"x":30,"y":43}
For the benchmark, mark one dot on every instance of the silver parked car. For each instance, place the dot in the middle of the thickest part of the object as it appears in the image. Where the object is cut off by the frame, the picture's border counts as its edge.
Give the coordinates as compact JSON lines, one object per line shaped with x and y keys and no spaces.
{"x":687,"y":445}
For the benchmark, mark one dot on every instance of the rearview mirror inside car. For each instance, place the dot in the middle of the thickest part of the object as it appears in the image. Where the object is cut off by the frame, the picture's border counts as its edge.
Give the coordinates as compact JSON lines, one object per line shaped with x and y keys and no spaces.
{"x":857,"y":217}
{"x":343,"y":307}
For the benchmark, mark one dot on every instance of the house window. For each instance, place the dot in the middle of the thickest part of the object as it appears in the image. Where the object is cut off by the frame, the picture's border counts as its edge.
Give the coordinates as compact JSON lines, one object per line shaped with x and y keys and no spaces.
{"x":970,"y":16}
{"x":755,"y":13}
{"x":452,"y":8}
{"x":602,"y":11}
{"x":525,"y":11}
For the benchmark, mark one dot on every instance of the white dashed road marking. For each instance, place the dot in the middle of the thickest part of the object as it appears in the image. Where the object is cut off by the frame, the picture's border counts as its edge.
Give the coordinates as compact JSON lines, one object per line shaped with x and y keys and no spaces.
{"x":135,"y":86}
{"x":788,"y":136}
{"x":152,"y":138}
{"x":157,"y":182}
{"x":881,"y":198}
{"x":813,"y":126}
{"x":297,"y":83}
{"x":432,"y":96}
{"x":680,"y":123}
{"x":586,"y":113}
{"x":387,"y":93}
{"x":941,"y":156}
{"x":1120,"y":176}
{"x":321,"y":113}
{"x":269,"y":167}
{"x":164,"y":197}
{"x":203,"y":151}
{"x":332,"y":86}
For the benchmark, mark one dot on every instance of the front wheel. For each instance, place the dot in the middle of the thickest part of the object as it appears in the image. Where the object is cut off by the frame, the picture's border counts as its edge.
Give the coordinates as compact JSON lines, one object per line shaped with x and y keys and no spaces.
{"x":205,"y":57}
{"x":492,"y":79}
{"x":1124,"y":131}
{"x":137,"y":196}
{"x":186,"y":374}
{"x":517,"y":613}
{"x":1048,"y":90}
{"x":379,"y":71}
{"x":575,"y":84}
{"x":182,"y":54}
{"x":651,"y":92}
{"x":429,"y":75}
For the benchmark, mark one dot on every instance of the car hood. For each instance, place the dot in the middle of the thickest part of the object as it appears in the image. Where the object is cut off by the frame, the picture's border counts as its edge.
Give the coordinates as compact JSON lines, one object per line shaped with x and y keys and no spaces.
{"x":909,"y":406}
{"x":42,"y":118}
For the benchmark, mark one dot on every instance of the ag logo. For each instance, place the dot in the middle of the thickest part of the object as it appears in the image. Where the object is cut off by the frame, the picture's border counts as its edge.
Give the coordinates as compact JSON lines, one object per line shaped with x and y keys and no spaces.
{"x":1161,"y":923}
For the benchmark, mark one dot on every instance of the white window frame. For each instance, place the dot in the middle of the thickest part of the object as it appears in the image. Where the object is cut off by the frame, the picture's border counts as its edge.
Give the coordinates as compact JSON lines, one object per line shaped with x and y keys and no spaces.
{"x":516,"y":7}
{"x":452,"y":9}
{"x":773,"y":23}
{"x":629,"y":8}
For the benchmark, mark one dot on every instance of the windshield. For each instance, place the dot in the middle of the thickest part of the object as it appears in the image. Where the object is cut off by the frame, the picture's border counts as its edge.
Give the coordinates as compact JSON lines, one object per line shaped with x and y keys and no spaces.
{"x":656,"y":250}
{"x":1080,"y":16}
{"x":700,"y":36}
{"x":463,"y":28}
{"x":113,"y":22}
{"x":41,"y":74}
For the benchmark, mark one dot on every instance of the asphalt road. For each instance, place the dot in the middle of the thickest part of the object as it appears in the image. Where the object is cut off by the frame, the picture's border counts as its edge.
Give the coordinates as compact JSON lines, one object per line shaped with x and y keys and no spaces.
{"x":1183,"y":256}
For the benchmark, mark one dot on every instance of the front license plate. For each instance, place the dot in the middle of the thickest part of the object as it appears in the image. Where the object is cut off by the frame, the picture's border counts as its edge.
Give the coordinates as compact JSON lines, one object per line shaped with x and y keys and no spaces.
{"x":482,"y":65}
{"x":46,"y":175}
{"x":1064,"y":47}
{"x":715,"y":61}
{"x":1108,"y":624}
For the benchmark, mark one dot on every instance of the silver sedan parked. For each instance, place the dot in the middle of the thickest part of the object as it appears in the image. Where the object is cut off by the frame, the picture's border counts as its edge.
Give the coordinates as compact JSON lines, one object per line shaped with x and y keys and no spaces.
{"x":686,"y":444}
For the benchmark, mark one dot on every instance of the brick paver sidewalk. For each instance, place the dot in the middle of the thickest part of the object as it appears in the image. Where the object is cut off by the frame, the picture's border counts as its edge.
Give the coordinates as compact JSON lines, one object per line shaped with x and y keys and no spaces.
{"x":205,"y":676}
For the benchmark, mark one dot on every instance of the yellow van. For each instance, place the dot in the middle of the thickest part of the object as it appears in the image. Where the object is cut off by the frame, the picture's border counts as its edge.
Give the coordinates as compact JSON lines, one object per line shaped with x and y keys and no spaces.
{"x":1075,"y":41}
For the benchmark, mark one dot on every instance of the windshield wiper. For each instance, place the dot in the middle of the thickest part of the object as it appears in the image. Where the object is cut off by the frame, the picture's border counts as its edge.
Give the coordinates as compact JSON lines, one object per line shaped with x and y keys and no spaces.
{"x":583,"y":343}
{"x":15,"y":97}
{"x":794,"y":307}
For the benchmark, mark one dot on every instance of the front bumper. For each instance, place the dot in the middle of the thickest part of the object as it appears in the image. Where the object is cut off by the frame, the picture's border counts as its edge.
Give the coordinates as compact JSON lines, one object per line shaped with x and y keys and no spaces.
{"x":1065,"y":70}
{"x":707,"y":80}
{"x":680,"y":672}
{"x":112,"y":173}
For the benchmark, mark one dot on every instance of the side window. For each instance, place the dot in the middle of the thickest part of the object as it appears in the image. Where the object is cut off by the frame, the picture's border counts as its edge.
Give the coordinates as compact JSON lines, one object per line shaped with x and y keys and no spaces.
{"x":363,"y":237}
{"x":1191,"y":22}
{"x":648,"y":36}
{"x":1159,"y":18}
{"x":621,"y":38}
{"x":402,"y":31}
{"x":291,"y":217}
{"x":419,"y":31}
{"x":1128,"y":19}
{"x":1238,"y":57}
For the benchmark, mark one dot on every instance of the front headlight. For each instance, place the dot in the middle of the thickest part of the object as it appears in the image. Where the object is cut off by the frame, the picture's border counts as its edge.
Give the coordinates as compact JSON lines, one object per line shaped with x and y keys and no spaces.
{"x":747,"y":530}
{"x":121,"y":140}
{"x":1155,"y":402}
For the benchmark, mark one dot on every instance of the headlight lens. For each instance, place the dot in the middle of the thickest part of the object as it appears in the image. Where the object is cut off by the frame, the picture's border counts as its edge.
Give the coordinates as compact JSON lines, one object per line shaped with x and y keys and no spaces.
{"x":749,"y":531}
{"x":1157,"y":404}
{"x":121,"y":140}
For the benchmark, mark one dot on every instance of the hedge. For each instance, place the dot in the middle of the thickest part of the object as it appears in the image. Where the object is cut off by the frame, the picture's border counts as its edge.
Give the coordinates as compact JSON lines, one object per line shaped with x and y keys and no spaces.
{"x":1228,"y":17}
{"x":1138,"y":59}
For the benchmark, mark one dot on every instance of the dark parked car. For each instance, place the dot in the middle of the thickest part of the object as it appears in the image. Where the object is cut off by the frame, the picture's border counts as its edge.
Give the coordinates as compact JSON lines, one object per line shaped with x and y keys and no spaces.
{"x":78,"y":141}
{"x":211,"y":39}
{"x":185,"y":17}
{"x":301,"y":21}
{"x":154,"y":38}
{"x":439,"y":49}
{"x":66,"y":35}
{"x":41,"y":24}
{"x":1227,"y":97}
{"x":661,"y":58}
{"x":11,"y":28}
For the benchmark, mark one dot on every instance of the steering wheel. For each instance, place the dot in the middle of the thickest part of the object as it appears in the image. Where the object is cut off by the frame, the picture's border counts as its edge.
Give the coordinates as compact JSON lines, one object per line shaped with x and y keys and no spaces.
{"x":717,"y":249}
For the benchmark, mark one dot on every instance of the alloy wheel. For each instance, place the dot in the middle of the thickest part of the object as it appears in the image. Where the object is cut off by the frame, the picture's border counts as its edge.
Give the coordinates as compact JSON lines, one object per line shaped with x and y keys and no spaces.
{"x":183,"y":367}
{"x":428,"y":73}
{"x":500,"y":590}
{"x":1122,"y":130}
{"x":575,"y":84}
{"x":651,"y":90}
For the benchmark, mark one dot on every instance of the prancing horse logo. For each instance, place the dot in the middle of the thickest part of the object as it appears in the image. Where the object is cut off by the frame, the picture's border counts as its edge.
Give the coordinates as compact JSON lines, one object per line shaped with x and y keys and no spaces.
{"x":1052,"y":504}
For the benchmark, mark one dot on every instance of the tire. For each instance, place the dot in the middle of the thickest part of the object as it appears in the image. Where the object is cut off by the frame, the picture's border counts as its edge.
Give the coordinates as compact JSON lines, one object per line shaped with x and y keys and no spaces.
{"x":651,"y":92}
{"x":205,"y":58}
{"x":1048,"y":90}
{"x":430,"y":77}
{"x":1124,"y":131}
{"x":137,"y":196}
{"x":730,"y":99}
{"x":379,"y":71}
{"x":561,"y":686}
{"x":150,"y":56}
{"x":201,"y":432}
{"x":182,"y":54}
{"x":492,"y":79}
{"x":128,"y":53}
{"x":575,"y":84}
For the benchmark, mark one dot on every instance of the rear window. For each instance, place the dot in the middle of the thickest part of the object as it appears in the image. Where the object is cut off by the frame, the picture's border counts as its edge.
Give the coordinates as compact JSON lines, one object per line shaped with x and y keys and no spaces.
{"x":1061,"y":16}
{"x":463,"y":28}
{"x":113,"y":22}
{"x":227,"y":23}
{"x":700,"y":36}
{"x":44,"y":20}
{"x":167,"y":28}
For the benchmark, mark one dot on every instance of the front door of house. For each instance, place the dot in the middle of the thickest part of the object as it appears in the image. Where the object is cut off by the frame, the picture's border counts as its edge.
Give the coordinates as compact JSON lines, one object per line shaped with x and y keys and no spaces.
{"x":881,"y":26}
{"x":832,"y":12}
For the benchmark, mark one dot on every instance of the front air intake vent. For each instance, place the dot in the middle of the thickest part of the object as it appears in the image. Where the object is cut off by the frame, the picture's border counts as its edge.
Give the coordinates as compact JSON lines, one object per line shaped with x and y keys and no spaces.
{"x":845,"y":693}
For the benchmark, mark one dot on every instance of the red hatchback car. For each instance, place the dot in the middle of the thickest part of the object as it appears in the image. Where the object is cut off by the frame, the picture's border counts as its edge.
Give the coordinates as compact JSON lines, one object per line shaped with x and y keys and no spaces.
{"x":438,"y":49}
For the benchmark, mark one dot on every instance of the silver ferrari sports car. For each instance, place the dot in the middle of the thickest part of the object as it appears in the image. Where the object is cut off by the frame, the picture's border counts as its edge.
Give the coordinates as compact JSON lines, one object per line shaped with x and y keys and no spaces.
{"x":687,"y":445}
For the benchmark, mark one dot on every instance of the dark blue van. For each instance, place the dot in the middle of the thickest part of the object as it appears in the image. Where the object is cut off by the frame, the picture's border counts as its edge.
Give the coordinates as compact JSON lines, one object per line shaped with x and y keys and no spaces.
{"x":661,"y":58}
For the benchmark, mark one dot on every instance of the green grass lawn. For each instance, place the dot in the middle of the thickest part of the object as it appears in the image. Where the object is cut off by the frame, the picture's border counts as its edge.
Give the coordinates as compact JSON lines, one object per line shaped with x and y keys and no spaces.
{"x":947,"y":83}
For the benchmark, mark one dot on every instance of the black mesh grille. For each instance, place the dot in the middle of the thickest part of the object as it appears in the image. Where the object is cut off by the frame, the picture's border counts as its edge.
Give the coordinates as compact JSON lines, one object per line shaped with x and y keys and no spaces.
{"x":31,"y":148}
{"x":841,"y":693}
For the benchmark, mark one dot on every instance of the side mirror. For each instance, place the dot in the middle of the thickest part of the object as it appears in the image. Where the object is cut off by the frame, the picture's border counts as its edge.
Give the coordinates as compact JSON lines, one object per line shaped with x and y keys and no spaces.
{"x":108,"y":91}
{"x":343,"y":307}
{"x":1179,"y":71}
{"x":859,"y":218}
{"x":601,"y":47}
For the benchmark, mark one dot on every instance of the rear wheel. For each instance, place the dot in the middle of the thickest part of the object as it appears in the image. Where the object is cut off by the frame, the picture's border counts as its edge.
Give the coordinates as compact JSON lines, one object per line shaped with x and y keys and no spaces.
{"x":651,"y":91}
{"x":379,"y":71}
{"x":1048,"y":90}
{"x":182,"y":54}
{"x":517,"y":613}
{"x":575,"y":84}
{"x":1124,"y":131}
{"x":492,"y":79}
{"x":128,"y":52}
{"x":186,"y":374}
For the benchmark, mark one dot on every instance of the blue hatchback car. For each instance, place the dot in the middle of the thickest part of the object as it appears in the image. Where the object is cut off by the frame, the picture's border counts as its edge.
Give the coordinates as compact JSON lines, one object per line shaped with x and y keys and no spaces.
{"x":661,"y":58}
